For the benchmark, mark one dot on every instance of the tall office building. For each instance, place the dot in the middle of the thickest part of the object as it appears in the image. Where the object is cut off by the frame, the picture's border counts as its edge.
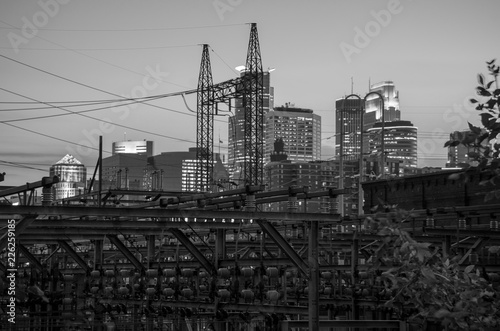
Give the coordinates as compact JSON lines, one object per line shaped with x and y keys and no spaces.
{"x":400,"y":146}
{"x":72,"y":175}
{"x":391,"y":103}
{"x":348,"y":114}
{"x":298,"y":128}
{"x":236,"y":132}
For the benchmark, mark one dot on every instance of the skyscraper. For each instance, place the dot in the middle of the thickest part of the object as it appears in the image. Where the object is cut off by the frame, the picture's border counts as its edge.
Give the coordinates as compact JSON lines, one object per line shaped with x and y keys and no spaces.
{"x":400,"y":145}
{"x":391,"y":103}
{"x":298,"y":128}
{"x":348,"y":114}
{"x":236,"y":131}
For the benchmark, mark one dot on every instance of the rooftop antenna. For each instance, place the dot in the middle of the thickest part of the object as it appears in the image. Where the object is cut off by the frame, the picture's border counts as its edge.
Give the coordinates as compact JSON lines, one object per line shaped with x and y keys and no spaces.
{"x":124,"y":136}
{"x":352,"y":85}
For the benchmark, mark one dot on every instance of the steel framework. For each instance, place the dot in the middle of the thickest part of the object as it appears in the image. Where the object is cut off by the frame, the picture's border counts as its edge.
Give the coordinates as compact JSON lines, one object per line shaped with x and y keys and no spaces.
{"x":250,"y":89}
{"x":205,"y":124}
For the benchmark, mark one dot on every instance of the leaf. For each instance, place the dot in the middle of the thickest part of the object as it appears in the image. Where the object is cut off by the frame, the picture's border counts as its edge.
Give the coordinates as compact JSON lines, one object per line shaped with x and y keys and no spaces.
{"x":473,"y":155}
{"x":483,"y":92}
{"x":469,"y":268}
{"x":480,"y":79}
{"x":472,"y":100}
{"x":489,"y":84}
{"x":485,"y":117}
{"x":441,"y":313}
{"x":474,"y":129}
{"x":428,"y":273}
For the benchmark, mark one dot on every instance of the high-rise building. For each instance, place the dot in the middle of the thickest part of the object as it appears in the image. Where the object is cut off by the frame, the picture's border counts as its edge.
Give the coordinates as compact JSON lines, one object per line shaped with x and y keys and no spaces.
{"x":400,"y":146}
{"x":236,"y":131}
{"x":133,"y":147}
{"x":391,"y":103}
{"x":298,"y":128}
{"x":348,"y":114}
{"x":72,"y":175}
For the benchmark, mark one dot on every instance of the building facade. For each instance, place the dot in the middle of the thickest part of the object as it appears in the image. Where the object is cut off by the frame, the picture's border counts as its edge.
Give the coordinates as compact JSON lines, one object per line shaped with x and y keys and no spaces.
{"x":72,"y":176}
{"x":236,"y":131}
{"x":176,"y":171}
{"x":133,"y":147}
{"x":124,"y":171}
{"x":298,"y":128}
{"x":348,"y":114}
{"x":400,"y":146}
{"x":388,"y":91}
{"x":314,"y":175}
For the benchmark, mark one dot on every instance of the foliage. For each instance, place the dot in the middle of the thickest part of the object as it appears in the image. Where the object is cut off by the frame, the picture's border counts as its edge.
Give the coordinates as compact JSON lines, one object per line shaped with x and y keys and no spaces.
{"x":483,"y":145}
{"x":421,"y":277}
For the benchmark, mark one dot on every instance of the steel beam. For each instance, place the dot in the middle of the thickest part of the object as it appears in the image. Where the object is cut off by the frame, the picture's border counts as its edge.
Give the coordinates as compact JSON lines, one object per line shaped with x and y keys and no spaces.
{"x":190,"y":246}
{"x":33,"y":260}
{"x":283,"y":245}
{"x":478,"y":243}
{"x":18,"y":230}
{"x":125,"y":224}
{"x":158,"y":213}
{"x":46,"y":181}
{"x":125,"y":251}
{"x":73,"y":254}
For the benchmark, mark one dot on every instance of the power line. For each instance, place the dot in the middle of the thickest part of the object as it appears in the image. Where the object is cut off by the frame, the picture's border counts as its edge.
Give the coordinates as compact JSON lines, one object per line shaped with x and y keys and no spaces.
{"x":65,"y":114}
{"x":109,"y":122}
{"x":130,"y":30}
{"x":103,"y":49}
{"x":76,"y":103}
{"x":89,"y":56}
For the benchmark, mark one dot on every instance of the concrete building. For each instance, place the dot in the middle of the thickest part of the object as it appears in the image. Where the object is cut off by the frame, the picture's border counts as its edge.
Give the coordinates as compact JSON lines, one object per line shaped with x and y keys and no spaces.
{"x":400,"y":146}
{"x":298,"y":128}
{"x":125,"y":171}
{"x":314,"y":175}
{"x":348,"y":114}
{"x":72,"y":176}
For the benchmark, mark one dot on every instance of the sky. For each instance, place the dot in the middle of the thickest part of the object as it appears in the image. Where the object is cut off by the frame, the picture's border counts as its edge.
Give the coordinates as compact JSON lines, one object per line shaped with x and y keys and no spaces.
{"x":84,"y":55}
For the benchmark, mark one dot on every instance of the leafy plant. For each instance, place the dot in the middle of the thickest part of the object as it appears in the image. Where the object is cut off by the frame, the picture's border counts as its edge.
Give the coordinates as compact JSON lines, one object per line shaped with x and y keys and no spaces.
{"x":484,"y":148}
{"x":429,"y":286}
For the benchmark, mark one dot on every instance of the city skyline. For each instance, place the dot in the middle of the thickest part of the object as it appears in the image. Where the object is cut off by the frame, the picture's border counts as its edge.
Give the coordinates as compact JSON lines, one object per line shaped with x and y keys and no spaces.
{"x":318,"y":48}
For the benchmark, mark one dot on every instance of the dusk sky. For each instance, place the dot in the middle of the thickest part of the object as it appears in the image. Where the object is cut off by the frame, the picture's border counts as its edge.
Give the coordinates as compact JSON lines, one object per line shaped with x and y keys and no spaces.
{"x":109,"y":50}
